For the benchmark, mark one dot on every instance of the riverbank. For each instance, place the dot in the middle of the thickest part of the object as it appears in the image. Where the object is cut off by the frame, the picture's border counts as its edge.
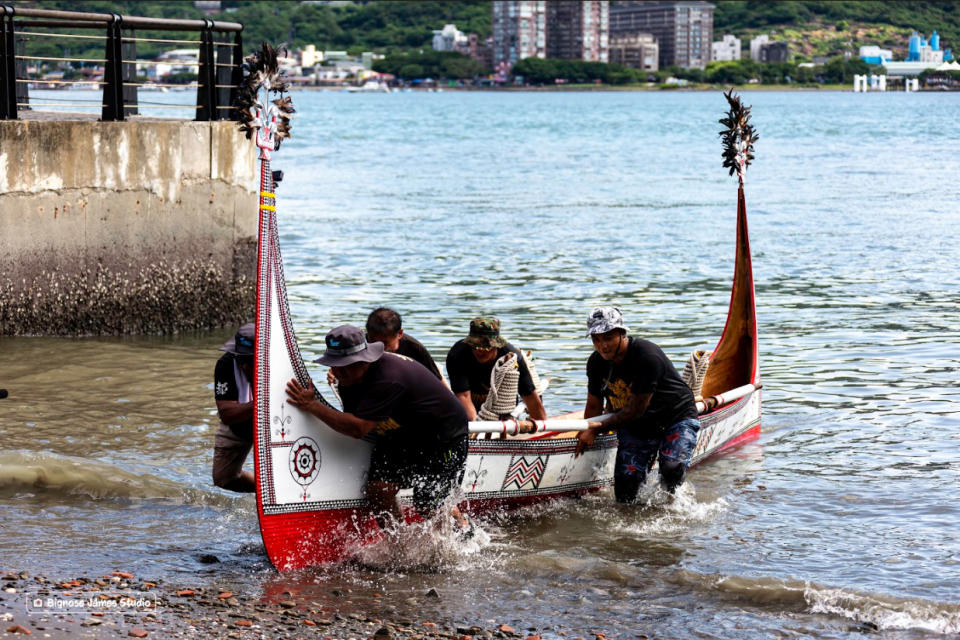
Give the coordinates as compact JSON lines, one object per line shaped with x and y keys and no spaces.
{"x":121,"y":604}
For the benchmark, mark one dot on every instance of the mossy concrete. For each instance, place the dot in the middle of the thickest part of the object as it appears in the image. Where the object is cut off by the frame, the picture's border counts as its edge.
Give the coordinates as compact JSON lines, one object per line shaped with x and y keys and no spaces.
{"x":87,"y":206}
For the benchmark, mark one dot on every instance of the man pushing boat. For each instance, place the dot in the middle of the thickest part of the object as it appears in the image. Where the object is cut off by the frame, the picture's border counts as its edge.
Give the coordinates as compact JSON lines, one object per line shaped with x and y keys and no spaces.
{"x":420,"y":427}
{"x":654,"y":412}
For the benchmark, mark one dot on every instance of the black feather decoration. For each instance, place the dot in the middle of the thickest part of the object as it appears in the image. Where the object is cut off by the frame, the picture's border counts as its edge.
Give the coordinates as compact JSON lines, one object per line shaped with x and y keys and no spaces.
{"x":738,"y":137}
{"x":261,"y":69}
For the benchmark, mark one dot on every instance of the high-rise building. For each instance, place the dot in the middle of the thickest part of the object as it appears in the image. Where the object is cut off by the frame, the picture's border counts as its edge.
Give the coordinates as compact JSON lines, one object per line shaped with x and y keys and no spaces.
{"x":683,"y":29}
{"x":726,"y":50}
{"x":638,"y":51}
{"x":519,"y":31}
{"x":578,"y":30}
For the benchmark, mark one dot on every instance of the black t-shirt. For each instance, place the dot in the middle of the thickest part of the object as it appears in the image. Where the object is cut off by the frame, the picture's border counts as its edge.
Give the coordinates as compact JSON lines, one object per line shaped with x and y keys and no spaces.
{"x":226,"y":387}
{"x":412,"y":348}
{"x":468,"y":374}
{"x":645,"y":369}
{"x":408,"y":402}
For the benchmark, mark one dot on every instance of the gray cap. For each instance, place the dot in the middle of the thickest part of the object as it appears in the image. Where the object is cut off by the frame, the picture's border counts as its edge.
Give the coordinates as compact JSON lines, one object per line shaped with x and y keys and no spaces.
{"x":604,"y":319}
{"x":241,"y":344}
{"x":347,"y":344}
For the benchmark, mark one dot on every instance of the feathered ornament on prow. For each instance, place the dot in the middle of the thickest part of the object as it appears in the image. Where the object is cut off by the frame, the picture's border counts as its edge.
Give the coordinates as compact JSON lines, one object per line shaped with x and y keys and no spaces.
{"x":270,"y":120}
{"x":738,"y":137}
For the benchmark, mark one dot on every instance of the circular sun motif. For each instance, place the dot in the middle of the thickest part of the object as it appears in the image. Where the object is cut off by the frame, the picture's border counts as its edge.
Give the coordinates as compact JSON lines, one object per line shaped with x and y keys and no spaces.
{"x":304,"y":461}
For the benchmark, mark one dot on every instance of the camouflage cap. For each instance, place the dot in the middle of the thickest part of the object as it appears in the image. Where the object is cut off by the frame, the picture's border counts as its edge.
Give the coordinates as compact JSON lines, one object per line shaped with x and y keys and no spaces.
{"x":485,"y":333}
{"x":604,"y":319}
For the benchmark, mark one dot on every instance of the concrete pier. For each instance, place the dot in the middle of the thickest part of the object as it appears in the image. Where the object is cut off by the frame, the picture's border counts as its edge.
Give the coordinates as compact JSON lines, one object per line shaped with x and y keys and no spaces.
{"x":125,"y":227}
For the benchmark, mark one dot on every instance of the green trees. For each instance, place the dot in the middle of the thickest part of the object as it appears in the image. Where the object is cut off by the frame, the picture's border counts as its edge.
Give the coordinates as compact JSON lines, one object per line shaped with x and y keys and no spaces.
{"x":548,"y":71}
{"x":430,"y":64}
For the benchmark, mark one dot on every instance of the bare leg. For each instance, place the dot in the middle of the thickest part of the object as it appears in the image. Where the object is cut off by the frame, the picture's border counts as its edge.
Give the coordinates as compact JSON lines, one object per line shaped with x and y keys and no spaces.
{"x":383,"y":499}
{"x":244,"y":483}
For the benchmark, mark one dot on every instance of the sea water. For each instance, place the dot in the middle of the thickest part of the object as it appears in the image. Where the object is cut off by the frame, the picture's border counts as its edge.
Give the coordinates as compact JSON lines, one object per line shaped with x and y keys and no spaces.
{"x":534,"y":207}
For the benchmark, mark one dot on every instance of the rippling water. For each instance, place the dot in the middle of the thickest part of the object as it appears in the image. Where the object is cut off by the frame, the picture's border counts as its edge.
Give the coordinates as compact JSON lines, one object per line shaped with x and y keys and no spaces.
{"x":535,"y":207}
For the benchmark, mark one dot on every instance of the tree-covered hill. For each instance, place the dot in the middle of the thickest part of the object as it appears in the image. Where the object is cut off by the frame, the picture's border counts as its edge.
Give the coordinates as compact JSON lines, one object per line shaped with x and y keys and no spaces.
{"x":813,"y":27}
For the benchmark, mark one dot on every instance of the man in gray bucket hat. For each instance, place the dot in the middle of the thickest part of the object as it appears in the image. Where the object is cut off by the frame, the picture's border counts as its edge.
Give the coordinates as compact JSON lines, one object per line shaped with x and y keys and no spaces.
{"x":419,"y":427}
{"x":233,"y":393}
{"x":654,"y":413}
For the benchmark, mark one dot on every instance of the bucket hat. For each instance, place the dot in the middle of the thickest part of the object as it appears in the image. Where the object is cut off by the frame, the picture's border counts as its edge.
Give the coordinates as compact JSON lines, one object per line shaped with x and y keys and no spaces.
{"x":603,"y":319}
{"x":242,"y":343}
{"x":485,"y":333}
{"x":347,"y":344}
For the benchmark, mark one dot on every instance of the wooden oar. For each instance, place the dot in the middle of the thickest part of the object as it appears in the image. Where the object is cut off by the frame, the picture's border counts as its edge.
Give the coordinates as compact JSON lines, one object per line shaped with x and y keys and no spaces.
{"x":515,"y":427}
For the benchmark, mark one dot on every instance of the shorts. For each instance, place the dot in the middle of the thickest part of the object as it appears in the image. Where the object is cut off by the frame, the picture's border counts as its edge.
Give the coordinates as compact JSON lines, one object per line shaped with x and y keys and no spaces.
{"x":229,"y":454}
{"x":636,"y":455}
{"x":432,"y":473}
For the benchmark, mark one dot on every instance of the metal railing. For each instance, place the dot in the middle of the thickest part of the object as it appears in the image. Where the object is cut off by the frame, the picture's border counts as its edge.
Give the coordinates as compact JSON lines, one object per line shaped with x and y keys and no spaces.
{"x":27,"y":36}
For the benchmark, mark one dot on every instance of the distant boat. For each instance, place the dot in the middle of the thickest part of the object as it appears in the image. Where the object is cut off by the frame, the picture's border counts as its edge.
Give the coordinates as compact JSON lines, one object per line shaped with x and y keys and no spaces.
{"x":370,"y":86}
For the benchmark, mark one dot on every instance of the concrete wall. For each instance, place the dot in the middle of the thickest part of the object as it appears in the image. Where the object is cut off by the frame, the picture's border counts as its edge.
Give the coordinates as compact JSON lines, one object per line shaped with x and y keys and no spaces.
{"x":125,"y":227}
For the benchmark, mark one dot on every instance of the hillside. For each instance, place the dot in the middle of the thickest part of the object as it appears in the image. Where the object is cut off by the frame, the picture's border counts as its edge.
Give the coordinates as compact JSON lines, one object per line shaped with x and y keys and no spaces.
{"x":824,"y":28}
{"x":813,"y":28}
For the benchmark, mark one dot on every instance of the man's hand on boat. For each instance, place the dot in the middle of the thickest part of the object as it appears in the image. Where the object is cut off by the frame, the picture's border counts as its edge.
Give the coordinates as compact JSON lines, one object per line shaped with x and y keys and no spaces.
{"x":586,"y":437}
{"x":300,"y":396}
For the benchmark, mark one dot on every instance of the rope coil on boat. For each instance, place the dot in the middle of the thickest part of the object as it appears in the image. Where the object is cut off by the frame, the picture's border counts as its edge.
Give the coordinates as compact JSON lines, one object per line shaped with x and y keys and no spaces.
{"x":504,"y":381}
{"x":696,"y":370}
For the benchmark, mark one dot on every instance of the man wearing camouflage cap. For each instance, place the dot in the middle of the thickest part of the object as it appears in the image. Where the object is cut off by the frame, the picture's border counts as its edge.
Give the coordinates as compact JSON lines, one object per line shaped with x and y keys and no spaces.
{"x":470,"y":362}
{"x":654,"y":413}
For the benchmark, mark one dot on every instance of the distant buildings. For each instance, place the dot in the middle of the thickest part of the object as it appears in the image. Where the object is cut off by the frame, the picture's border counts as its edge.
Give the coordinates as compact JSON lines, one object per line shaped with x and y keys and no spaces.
{"x":726,"y":50}
{"x":923,"y":54}
{"x":578,"y":30}
{"x":762,"y":49}
{"x":872,"y":54}
{"x":756,"y":44}
{"x":922,"y":50}
{"x":519,"y":31}
{"x":637,"y":51}
{"x":683,"y":29}
{"x":564,"y":29}
{"x":448,"y":38}
{"x":775,"y":52}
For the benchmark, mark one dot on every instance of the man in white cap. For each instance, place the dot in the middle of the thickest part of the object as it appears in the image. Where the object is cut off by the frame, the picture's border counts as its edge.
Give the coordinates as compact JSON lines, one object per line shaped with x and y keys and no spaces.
{"x":420,"y":426}
{"x":232,"y":391}
{"x":654,"y":413}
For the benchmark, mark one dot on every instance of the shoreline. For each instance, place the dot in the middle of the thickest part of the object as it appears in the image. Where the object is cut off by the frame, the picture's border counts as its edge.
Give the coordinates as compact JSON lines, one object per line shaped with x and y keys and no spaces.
{"x":179,"y":611}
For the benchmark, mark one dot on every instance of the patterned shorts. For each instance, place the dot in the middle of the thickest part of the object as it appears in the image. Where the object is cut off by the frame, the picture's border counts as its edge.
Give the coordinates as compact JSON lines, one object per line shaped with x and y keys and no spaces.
{"x":636,"y":454}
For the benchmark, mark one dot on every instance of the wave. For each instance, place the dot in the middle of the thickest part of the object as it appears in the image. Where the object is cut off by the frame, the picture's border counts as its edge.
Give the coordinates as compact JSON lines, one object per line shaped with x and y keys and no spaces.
{"x":73,"y":476}
{"x":882,"y":611}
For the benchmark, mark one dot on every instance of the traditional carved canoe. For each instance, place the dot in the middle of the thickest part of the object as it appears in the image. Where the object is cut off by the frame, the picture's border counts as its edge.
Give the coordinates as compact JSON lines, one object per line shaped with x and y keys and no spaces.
{"x":310,"y":478}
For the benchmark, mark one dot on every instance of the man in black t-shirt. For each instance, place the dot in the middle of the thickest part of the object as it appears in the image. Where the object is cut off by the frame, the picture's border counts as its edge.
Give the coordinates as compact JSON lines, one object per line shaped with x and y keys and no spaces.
{"x":420,"y":429}
{"x":653,"y":409}
{"x":385,"y":325}
{"x":234,"y":396}
{"x":470,"y":362}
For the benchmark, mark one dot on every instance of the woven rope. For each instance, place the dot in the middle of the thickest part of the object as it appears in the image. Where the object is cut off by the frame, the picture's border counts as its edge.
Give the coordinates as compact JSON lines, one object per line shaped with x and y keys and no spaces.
{"x":695,"y":370}
{"x":532,"y":368}
{"x":504,"y":380}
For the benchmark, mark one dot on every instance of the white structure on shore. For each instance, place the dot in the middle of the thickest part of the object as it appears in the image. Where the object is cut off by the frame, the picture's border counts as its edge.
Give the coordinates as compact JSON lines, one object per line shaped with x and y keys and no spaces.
{"x":726,"y":50}
{"x":756,"y":46}
{"x":449,"y":38}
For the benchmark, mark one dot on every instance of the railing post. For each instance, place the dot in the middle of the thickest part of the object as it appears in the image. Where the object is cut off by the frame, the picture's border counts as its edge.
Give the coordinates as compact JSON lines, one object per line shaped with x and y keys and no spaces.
{"x":206,"y":76}
{"x":224,"y":77}
{"x":113,"y":73}
{"x":8,"y":67}
{"x":129,"y":75}
{"x":236,"y":74}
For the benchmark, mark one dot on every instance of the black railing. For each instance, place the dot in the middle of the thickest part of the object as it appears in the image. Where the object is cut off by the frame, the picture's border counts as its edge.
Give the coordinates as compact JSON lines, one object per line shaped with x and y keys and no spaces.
{"x":25,"y":34}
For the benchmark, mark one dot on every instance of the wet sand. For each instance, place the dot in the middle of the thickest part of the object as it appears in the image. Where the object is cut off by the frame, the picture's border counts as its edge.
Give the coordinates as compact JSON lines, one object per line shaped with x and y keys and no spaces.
{"x":144,"y":608}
